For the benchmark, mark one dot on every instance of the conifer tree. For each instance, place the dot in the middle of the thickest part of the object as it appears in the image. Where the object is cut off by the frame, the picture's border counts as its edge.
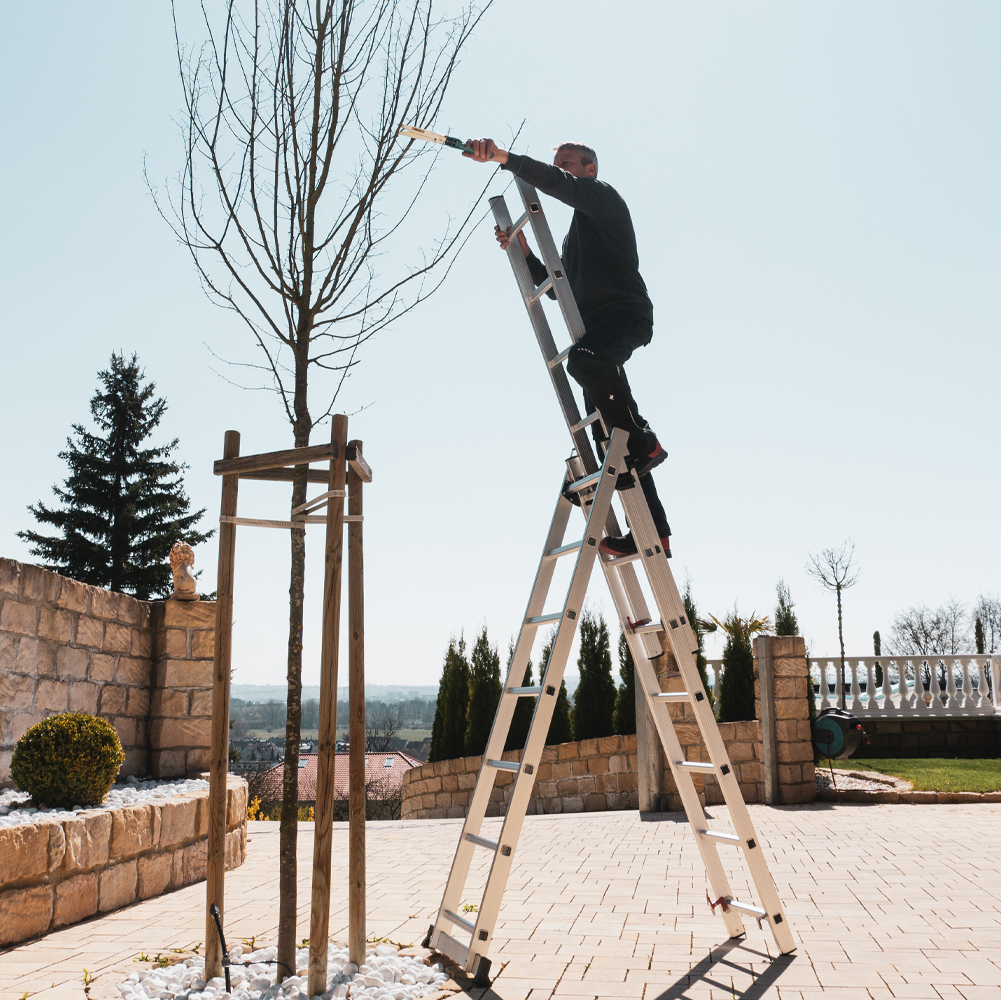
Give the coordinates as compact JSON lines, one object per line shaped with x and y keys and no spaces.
{"x":877,"y":646}
{"x":522,"y":718}
{"x":124,"y":506}
{"x":624,"y":716}
{"x":561,"y":725}
{"x":448,"y":730}
{"x":700,"y":659}
{"x":594,"y":699}
{"x":484,"y":693}
{"x":978,"y":636}
{"x":736,"y":686}
{"x":786,"y":622}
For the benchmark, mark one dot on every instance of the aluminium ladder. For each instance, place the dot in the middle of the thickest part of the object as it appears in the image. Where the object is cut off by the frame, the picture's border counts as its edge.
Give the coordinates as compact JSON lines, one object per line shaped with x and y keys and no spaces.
{"x":593,"y":484}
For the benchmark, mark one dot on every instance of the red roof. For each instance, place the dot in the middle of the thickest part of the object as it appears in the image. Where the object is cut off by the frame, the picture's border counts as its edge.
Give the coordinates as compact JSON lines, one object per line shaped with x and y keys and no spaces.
{"x":383,"y":776}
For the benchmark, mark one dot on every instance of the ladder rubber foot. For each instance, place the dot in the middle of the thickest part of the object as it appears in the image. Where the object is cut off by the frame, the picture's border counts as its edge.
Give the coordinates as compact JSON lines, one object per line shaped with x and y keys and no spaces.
{"x":426,"y":943}
{"x":481,"y":977}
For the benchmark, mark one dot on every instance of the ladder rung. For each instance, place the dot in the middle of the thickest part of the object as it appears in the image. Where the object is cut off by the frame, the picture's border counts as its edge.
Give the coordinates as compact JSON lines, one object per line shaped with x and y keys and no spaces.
{"x":504,"y":765}
{"x":695,"y":765}
{"x":671,"y":696}
{"x":481,"y":842}
{"x":620,"y":560}
{"x":542,"y":619}
{"x":747,"y":907}
{"x":652,"y":627}
{"x":518,"y":226}
{"x":560,"y":358}
{"x":525,"y":692}
{"x":541,"y":290}
{"x":581,"y":483}
{"x":586,"y":422}
{"x":455,"y":950}
{"x":728,"y":838}
{"x":461,"y":921}
{"x":564,"y":549}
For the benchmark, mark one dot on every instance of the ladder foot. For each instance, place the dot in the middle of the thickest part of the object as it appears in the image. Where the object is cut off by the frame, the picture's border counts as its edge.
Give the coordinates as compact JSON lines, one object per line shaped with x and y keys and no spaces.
{"x":481,"y":975}
{"x":426,"y":943}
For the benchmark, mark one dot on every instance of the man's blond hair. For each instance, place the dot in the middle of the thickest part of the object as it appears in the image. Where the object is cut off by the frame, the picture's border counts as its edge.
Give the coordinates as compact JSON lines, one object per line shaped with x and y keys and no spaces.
{"x":587,"y":154}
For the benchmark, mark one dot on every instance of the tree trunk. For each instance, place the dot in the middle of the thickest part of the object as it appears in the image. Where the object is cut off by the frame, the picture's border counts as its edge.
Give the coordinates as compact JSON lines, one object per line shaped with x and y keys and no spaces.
{"x":841,"y":640}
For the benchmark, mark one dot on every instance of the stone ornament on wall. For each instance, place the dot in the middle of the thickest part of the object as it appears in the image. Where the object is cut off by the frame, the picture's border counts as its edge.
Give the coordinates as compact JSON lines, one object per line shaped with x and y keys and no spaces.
{"x":182,"y":558}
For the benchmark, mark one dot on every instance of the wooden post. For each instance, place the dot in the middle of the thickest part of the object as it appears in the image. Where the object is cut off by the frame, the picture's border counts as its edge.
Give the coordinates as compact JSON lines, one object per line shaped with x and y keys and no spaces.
{"x":358,"y":793}
{"x":215,"y":873}
{"x":319,"y":916}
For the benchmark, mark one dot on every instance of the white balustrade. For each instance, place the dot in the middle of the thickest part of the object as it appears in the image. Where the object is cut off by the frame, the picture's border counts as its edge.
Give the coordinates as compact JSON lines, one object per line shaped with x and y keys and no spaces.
{"x":969,"y":685}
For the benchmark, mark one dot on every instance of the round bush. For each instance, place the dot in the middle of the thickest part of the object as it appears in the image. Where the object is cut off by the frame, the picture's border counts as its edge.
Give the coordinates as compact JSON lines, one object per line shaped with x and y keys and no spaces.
{"x":68,"y":760}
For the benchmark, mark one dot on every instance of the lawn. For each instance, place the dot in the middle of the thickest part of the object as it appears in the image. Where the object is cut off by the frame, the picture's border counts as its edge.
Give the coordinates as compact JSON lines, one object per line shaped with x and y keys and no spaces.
{"x":934,"y":775}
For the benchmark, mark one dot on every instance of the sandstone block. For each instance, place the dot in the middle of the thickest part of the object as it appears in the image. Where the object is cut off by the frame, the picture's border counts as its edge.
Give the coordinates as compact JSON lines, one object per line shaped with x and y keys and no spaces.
{"x":791,"y":708}
{"x":127,"y":730}
{"x":628,"y":781}
{"x":19,"y":618}
{"x":187,"y":673}
{"x":566,"y":786}
{"x":790,"y":774}
{"x":22,"y":722}
{"x":568,"y":751}
{"x":561,"y":770}
{"x":131,"y":831}
{"x":75,"y":900}
{"x":36,"y":657}
{"x":236,"y":803}
{"x":117,"y":638}
{"x":73,"y":596}
{"x":752,"y":770}
{"x":138,"y":702}
{"x":234,"y":848}
{"x":586,"y":785}
{"x":194,"y":860}
{"x":89,"y":632}
{"x":102,"y":666}
{"x":618,"y":763}
{"x":444,"y":799}
{"x":52,"y":696}
{"x":142,"y":643}
{"x":72,"y":662}
{"x":201,"y":704}
{"x":789,"y":753}
{"x":587,"y":748}
{"x":170,"y":703}
{"x":203,"y":645}
{"x":55,"y":624}
{"x":88,"y":840}
{"x":792,"y":730}
{"x":16,"y":691}
{"x":117,"y":886}
{"x":175,"y":643}
{"x":607,"y":783}
{"x":154,"y":874}
{"x":554,"y":805}
{"x":597,"y":765}
{"x":10,"y":576}
{"x":24,"y":851}
{"x":131,"y":611}
{"x":114,"y":699}
{"x":786,"y":667}
{"x":104,"y":603}
{"x":617,"y":800}
{"x":573,"y":803}
{"x":595,"y":802}
{"x":627,"y":744}
{"x":39,"y":584}
{"x":83,"y":697}
{"x":189,"y":614}
{"x":24,"y":913}
{"x":197,"y":761}
{"x":578,"y":768}
{"x":608,"y":744}
{"x":132,"y":672}
{"x":738,"y":751}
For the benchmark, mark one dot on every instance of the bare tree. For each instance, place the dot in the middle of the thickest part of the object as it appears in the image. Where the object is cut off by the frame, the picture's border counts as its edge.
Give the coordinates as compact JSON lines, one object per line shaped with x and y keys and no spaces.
{"x":292,"y":110}
{"x":922,"y":631}
{"x":834,"y":569}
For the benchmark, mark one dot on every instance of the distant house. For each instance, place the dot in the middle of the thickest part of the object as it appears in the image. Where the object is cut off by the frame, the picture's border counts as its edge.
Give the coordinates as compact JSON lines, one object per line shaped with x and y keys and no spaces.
{"x":383,"y":782}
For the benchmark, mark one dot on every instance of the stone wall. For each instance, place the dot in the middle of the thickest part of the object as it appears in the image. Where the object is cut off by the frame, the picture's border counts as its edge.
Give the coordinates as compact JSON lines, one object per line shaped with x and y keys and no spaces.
{"x":973,"y":737}
{"x":59,"y":872}
{"x":145,"y":667}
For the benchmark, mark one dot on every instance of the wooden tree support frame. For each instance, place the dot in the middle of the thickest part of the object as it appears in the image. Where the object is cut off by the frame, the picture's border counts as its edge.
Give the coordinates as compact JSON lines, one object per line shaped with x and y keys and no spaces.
{"x":347,"y":468}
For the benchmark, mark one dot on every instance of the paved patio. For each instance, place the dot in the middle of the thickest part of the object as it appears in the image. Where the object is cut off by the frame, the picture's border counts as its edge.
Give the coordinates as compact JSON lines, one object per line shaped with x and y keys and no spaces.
{"x":885,"y":900}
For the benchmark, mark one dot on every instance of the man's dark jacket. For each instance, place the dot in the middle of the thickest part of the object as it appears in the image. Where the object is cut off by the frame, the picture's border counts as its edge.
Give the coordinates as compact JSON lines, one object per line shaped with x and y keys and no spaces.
{"x":599,"y":252}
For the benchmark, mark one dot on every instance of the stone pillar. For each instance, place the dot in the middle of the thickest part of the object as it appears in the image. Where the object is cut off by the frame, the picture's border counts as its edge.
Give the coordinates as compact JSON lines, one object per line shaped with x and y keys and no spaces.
{"x":181,"y":696}
{"x":649,"y":757}
{"x":784,"y":711}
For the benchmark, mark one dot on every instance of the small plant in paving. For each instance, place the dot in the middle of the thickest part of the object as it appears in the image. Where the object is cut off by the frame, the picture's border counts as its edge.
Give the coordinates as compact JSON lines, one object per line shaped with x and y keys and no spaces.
{"x":68,"y":760}
{"x":471,"y":908}
{"x":141,"y":957}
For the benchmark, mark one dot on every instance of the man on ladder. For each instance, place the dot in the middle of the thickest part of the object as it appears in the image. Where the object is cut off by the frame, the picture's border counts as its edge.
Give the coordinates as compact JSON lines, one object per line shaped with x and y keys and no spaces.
{"x":602,"y":265}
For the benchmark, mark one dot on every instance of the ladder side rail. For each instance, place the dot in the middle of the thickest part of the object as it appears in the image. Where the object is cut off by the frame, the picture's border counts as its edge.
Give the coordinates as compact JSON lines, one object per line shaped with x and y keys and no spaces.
{"x":646,"y":676}
{"x":486,"y":777}
{"x":682,"y":641}
{"x":535,"y":744}
{"x":544,"y":337}
{"x":552,"y":259}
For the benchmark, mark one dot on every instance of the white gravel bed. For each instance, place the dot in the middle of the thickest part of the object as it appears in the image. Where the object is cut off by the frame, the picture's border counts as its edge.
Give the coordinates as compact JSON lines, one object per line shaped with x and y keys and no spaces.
{"x":386,"y":975}
{"x":852,"y":780}
{"x":132,"y":792}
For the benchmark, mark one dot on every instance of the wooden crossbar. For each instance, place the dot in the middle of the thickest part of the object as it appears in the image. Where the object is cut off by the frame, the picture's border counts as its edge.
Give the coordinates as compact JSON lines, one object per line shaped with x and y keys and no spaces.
{"x":357,"y":461}
{"x":275,"y":460}
{"x":285,"y":475}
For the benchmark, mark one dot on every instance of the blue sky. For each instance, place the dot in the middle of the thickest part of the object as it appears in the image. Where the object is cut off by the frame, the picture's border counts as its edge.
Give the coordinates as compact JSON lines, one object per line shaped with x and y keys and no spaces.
{"x":814,"y":189}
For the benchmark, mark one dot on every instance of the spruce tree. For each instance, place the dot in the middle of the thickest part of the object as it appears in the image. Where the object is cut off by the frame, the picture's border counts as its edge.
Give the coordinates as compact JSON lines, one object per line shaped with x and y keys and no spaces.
{"x":522,"y":718}
{"x":448,"y":730}
{"x":736,"y":686}
{"x":700,"y":659}
{"x":785,"y":614}
{"x":594,"y":699}
{"x":561,"y":725}
{"x":484,"y":694}
{"x":978,"y":635}
{"x":624,"y":716}
{"x":123,"y":505}
{"x":877,"y":646}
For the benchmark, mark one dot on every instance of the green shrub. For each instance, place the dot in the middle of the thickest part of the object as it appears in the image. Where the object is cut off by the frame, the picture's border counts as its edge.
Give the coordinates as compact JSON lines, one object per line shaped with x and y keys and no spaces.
{"x":68,"y":760}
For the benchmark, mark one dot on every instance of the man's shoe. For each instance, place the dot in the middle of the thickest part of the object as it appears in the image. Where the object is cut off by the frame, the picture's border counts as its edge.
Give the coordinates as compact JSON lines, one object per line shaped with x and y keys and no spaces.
{"x":646,"y":463}
{"x":623,"y":545}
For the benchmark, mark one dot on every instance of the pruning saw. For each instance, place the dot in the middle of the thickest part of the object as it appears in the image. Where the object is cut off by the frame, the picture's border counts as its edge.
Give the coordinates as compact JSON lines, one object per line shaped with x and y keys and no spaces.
{"x":412,"y":132}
